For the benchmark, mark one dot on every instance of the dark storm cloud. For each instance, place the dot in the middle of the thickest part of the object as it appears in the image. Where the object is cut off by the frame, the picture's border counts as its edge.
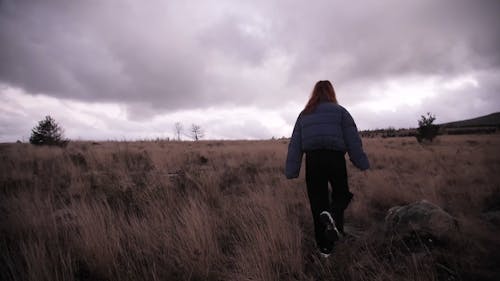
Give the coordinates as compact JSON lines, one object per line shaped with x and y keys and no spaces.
{"x":365,"y":42}
{"x":171,"y":55}
{"x":390,"y":37}
{"x":97,"y":51}
{"x":229,"y":38}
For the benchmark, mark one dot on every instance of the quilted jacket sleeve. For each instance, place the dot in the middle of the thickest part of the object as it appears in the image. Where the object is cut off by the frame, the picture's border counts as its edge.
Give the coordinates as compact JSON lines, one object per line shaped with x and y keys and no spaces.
{"x":294,"y":156}
{"x":353,"y":142}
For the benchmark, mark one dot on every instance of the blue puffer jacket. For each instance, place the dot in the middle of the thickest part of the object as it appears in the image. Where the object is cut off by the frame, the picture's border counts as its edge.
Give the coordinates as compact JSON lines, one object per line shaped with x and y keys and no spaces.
{"x":329,"y":126}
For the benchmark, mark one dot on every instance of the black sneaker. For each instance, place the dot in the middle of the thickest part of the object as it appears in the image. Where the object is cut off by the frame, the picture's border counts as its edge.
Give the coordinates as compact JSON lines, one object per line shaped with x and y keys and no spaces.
{"x":331,"y":232}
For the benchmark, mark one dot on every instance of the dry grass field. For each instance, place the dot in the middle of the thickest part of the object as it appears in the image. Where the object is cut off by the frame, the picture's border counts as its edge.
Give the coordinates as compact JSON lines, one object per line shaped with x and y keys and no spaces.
{"x":213,"y":210}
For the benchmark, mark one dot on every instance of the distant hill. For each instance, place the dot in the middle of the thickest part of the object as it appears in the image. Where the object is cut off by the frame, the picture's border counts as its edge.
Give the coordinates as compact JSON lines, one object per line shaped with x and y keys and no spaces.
{"x":488,"y":124}
{"x":490,"y":120}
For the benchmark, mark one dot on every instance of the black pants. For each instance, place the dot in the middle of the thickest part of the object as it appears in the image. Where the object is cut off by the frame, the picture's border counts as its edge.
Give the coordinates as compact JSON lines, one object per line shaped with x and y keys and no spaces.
{"x":323,"y":167}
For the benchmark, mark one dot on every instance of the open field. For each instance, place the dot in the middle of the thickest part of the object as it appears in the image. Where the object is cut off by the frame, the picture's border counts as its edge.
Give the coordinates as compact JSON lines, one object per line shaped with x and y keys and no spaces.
{"x":213,"y":210}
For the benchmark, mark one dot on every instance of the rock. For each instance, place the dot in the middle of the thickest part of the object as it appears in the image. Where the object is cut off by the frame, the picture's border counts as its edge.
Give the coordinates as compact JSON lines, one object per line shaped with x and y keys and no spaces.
{"x":203,"y":159}
{"x":491,"y":212}
{"x":492,"y":217}
{"x":421,"y":218}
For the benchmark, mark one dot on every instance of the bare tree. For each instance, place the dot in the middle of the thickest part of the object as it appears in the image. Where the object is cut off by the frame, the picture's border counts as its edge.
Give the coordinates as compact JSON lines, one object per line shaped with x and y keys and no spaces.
{"x":178,"y":130}
{"x":196,"y":132}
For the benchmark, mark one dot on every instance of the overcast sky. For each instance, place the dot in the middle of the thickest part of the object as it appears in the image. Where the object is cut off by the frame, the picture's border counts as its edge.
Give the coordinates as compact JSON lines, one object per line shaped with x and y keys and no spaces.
{"x":117,"y":69}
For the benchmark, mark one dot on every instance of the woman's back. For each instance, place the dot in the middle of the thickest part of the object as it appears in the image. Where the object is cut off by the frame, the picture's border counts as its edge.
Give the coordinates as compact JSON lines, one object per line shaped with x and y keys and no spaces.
{"x":322,"y":128}
{"x":327,"y":126}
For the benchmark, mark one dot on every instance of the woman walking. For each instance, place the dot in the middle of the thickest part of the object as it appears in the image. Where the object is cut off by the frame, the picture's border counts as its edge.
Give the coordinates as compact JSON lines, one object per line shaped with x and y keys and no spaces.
{"x":325,"y":131}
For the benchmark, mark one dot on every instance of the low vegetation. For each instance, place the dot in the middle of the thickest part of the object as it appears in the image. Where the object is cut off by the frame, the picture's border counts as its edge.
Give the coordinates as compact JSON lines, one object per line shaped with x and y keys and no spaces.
{"x":211,"y":210}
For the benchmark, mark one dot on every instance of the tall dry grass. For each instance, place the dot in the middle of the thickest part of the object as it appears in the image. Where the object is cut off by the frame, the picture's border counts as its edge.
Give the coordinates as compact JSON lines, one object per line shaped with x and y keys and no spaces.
{"x":224,"y":211}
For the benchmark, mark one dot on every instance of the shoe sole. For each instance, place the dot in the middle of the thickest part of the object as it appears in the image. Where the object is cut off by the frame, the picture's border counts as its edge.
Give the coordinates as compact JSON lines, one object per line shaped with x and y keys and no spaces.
{"x":331,"y":231}
{"x":323,"y":255}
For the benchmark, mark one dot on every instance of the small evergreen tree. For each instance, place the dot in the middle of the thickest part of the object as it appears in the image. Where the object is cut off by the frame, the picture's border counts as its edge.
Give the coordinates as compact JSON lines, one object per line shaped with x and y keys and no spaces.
{"x":48,"y":132}
{"x":426,"y":129}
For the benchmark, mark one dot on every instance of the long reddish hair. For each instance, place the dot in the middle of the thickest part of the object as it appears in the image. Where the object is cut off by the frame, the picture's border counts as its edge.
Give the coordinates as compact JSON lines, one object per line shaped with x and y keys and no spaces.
{"x":323,"y":92}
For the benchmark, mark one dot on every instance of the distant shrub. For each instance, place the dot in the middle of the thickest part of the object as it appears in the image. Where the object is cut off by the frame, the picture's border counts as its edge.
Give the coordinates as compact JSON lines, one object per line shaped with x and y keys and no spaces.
{"x":48,"y":132}
{"x":390,"y":132}
{"x":426,"y":129}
